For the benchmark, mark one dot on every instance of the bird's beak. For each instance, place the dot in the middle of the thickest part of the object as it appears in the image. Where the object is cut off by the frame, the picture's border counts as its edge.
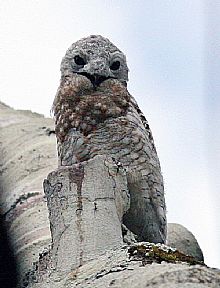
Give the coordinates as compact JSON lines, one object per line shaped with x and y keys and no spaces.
{"x":95,"y":79}
{"x":98,"y":79}
{"x":96,"y":71}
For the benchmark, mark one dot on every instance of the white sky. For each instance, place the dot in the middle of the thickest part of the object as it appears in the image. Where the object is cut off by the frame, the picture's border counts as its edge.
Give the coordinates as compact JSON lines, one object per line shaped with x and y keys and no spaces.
{"x":165,"y":44}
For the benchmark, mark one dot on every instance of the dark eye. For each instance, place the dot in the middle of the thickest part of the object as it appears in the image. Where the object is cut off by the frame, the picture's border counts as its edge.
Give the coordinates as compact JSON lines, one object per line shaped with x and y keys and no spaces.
{"x":79,"y":60}
{"x":115,"y":65}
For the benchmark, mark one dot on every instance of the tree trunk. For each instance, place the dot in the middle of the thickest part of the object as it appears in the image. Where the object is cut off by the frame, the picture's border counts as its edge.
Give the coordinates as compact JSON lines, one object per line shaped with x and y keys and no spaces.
{"x":28,"y":153}
{"x":86,"y":203}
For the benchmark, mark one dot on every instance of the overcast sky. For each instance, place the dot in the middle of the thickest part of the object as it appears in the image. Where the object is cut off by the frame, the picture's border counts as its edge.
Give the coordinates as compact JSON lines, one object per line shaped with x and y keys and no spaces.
{"x":171,"y":53}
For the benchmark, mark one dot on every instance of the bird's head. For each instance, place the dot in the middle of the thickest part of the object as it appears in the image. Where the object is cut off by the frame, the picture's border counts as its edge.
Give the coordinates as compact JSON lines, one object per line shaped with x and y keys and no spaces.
{"x":97,"y":59}
{"x":94,"y":77}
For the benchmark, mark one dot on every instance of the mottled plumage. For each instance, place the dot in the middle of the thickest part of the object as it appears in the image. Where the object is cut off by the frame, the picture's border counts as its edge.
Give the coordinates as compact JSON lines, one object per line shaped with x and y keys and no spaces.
{"x":95,"y":114}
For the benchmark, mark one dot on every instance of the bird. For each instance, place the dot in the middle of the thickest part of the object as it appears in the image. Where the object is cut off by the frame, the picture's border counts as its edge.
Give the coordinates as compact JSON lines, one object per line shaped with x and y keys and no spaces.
{"x":96,"y":115}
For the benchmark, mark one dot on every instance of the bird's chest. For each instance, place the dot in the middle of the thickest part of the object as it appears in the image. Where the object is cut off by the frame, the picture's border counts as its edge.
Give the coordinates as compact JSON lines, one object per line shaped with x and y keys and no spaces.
{"x":93,"y":110}
{"x":124,"y":138}
{"x":85,"y":112}
{"x":121,"y":138}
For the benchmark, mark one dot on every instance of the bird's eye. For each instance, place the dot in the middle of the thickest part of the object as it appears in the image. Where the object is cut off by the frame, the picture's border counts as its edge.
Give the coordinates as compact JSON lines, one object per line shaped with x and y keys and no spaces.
{"x":115,"y":65}
{"x":79,"y":60}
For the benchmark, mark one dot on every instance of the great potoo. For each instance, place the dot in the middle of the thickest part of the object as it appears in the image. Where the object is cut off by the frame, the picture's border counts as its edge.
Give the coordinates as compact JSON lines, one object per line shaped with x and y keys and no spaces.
{"x":95,"y":114}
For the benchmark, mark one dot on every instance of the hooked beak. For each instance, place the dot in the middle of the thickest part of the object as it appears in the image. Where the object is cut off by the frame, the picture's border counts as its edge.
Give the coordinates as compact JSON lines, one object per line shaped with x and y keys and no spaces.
{"x":95,"y":79}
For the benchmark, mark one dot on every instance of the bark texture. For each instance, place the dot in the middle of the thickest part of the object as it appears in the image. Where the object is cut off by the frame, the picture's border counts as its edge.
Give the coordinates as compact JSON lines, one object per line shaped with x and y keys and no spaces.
{"x":27,"y":154}
{"x":86,"y":203}
{"x":117,"y":268}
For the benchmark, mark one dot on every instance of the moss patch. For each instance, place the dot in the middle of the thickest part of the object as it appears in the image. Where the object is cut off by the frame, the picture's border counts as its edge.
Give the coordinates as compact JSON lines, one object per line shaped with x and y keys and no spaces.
{"x":158,"y":253}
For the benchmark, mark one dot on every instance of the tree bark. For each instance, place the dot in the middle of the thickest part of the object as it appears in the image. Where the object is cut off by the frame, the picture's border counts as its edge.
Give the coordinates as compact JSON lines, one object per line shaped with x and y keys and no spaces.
{"x":27,"y":154}
{"x":86,"y":203}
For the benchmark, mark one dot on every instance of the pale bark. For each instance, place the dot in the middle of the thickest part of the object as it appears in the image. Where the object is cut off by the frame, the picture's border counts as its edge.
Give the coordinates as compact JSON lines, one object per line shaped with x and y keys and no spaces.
{"x":27,"y":155}
{"x":86,"y":203}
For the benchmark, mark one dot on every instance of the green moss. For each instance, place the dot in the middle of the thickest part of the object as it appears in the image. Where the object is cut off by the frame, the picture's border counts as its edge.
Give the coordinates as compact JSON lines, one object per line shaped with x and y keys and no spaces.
{"x":150,"y":252}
